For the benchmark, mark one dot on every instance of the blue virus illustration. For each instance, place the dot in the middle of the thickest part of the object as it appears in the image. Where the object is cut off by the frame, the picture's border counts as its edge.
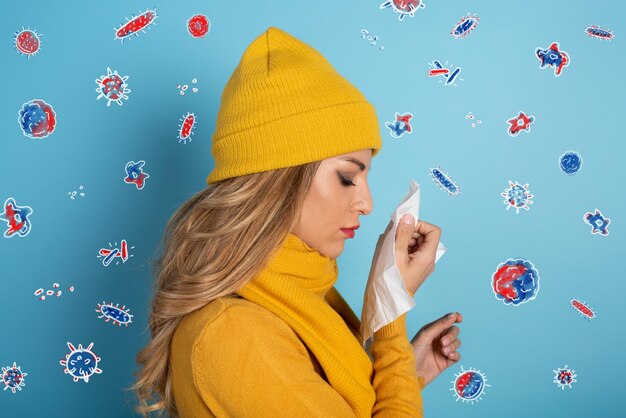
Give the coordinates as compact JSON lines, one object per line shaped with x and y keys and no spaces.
{"x":444,"y":181}
{"x":81,"y":363}
{"x":114,"y":313}
{"x":599,"y":224}
{"x":37,"y":119}
{"x":515,"y":281}
{"x":595,"y":31}
{"x":401,"y":125}
{"x":517,"y":196}
{"x":13,"y":377}
{"x":564,"y":377}
{"x":17,"y":218}
{"x":553,"y":57}
{"x":465,"y":26}
{"x":469,"y":385}
{"x":570,"y":162}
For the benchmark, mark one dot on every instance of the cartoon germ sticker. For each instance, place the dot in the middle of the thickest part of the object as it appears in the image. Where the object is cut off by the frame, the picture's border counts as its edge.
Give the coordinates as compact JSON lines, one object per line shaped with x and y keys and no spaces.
{"x":186,"y":128}
{"x":136,"y":24}
{"x":183,"y":88}
{"x":112,"y":87}
{"x":471,"y":117}
{"x":564,"y":377}
{"x":112,"y":312}
{"x":517,"y":196}
{"x":401,"y":125}
{"x":39,"y":292}
{"x":74,"y":193}
{"x":13,"y":377}
{"x":469,"y":385}
{"x":403,"y":7}
{"x":520,"y":123}
{"x":198,"y":25}
{"x":444,"y":181}
{"x":515,"y":281}
{"x":111,"y":253}
{"x":464,"y":26}
{"x":135,"y":174}
{"x":81,"y":363}
{"x":553,"y":57}
{"x":442,"y":70}
{"x":599,"y":224}
{"x":582,"y":308}
{"x":371,"y":39}
{"x":27,"y":42}
{"x":37,"y":119}
{"x":17,"y":218}
{"x":570,"y":162}
{"x":594,"y":31}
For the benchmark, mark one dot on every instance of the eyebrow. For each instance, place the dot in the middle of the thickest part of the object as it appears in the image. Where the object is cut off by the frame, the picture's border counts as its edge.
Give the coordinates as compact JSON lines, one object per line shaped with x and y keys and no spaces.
{"x":355,"y":161}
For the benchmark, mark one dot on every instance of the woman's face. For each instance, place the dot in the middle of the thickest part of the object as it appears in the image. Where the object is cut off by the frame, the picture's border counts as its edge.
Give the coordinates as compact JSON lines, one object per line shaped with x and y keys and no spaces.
{"x":338,"y":196}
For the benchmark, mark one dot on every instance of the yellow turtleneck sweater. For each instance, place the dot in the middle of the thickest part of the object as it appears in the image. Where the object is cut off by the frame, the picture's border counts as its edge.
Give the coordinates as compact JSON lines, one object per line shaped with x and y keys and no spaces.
{"x":288,"y":345}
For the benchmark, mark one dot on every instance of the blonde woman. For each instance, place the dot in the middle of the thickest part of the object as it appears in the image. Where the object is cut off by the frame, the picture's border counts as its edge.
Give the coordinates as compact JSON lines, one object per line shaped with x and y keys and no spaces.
{"x":246,"y":321}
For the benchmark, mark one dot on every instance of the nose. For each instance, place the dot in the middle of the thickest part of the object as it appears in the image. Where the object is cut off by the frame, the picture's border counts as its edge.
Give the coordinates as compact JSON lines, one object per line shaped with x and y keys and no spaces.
{"x":364,"y":203}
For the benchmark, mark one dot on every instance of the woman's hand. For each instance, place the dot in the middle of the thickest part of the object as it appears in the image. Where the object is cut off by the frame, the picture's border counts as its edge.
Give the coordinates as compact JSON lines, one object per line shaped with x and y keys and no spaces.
{"x":435,"y":346}
{"x":416,"y":247}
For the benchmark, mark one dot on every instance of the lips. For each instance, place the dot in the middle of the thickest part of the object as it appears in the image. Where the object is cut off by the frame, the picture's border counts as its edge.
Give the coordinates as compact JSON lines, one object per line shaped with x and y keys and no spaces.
{"x":348,"y":232}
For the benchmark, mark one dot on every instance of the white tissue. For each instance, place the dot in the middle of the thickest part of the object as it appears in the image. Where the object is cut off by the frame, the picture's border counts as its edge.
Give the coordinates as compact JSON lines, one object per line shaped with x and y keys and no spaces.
{"x":386,"y":297}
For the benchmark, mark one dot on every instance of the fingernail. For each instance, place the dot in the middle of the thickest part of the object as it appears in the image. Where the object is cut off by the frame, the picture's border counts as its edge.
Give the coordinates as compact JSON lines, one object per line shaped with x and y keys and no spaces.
{"x":407,"y":218}
{"x":451,"y":315}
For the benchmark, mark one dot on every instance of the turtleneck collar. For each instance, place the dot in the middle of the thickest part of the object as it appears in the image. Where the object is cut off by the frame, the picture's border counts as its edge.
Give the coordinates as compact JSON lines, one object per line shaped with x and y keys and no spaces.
{"x":297,"y":285}
{"x":296,"y":261}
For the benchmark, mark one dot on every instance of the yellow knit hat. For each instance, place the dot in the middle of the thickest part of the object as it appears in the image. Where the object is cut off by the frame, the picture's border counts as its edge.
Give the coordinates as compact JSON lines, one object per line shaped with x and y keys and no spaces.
{"x":285,"y":105}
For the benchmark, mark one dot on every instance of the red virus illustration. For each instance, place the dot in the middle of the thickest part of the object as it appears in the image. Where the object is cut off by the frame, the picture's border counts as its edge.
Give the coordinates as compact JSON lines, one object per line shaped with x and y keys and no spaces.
{"x":198,"y":26}
{"x":112,"y":87}
{"x":582,"y":308}
{"x":136,"y":24}
{"x":27,"y":42}
{"x":186,"y":127}
{"x":520,"y":123}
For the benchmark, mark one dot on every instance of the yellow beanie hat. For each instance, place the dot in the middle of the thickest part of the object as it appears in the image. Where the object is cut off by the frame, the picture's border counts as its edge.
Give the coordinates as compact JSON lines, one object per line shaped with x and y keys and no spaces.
{"x":285,"y":105}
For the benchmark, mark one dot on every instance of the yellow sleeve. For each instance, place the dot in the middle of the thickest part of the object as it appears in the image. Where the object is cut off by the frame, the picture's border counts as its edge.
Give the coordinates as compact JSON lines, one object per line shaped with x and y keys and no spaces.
{"x":258,"y":370}
{"x":397,"y":386}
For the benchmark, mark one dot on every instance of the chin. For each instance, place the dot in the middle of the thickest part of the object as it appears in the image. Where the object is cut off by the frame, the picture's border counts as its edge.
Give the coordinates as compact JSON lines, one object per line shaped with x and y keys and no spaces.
{"x":333,"y":251}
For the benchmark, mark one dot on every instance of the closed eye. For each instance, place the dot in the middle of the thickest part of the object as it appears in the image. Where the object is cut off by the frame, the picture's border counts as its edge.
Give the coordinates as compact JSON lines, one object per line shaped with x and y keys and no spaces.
{"x":345,"y":182}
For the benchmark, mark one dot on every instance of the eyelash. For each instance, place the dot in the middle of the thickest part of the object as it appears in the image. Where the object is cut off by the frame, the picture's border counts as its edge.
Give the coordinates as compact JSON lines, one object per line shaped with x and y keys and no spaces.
{"x":345,"y":182}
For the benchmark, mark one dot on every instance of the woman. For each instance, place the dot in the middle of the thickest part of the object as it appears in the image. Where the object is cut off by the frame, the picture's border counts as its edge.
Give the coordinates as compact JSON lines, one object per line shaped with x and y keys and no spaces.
{"x":246,"y":321}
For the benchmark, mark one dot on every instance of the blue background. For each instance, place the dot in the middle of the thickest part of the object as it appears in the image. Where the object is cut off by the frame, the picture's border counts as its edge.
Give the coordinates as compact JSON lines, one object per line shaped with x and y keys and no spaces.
{"x":516,"y":347}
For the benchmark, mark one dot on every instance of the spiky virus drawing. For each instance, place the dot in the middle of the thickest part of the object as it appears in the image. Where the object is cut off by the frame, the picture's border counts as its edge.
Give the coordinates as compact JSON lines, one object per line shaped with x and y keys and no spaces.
{"x":27,"y":42}
{"x":464,"y":26}
{"x":403,"y":7}
{"x":517,"y":196}
{"x":114,"y":313}
{"x":564,"y":377}
{"x":13,"y":377}
{"x":112,"y":87}
{"x":582,"y":308}
{"x":136,"y":24}
{"x":444,"y":181}
{"x":81,"y":363}
{"x":469,"y":385}
{"x":595,"y":31}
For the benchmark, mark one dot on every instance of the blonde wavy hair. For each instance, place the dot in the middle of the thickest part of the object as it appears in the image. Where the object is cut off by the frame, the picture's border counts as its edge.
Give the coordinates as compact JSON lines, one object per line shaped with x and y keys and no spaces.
{"x":216,"y":242}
